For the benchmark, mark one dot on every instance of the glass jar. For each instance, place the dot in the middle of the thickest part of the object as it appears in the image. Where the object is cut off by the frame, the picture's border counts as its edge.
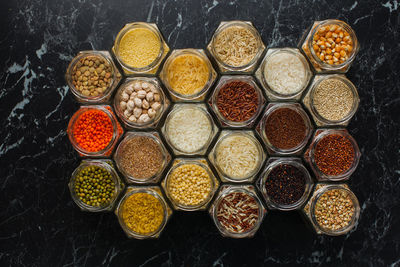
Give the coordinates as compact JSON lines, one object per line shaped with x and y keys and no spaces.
{"x":244,"y":68}
{"x":271,"y":164}
{"x":246,"y":190}
{"x":309,"y":210}
{"x":109,"y":167}
{"x":117,"y":131}
{"x":309,"y":155}
{"x":201,"y":94}
{"x":76,"y":62}
{"x":150,"y":69}
{"x":164,"y":103}
{"x":166,"y":184}
{"x":118,"y":156}
{"x":225,"y":122}
{"x":250,"y":175}
{"x":153,"y":191}
{"x":179,"y":109}
{"x":308,"y":100}
{"x":320,"y":66}
{"x":261,"y":129}
{"x":268,"y":88}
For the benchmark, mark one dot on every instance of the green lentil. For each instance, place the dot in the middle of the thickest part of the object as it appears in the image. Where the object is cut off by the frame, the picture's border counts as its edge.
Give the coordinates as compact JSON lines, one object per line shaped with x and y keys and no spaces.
{"x":94,"y":186}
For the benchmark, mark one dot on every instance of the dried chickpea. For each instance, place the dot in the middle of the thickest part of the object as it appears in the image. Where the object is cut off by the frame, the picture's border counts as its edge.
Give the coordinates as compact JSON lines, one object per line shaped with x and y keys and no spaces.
{"x":189,"y":185}
{"x":332,"y":44}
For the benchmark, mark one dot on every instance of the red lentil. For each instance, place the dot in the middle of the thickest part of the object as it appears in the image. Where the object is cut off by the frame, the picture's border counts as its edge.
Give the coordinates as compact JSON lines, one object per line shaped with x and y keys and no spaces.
{"x":237,"y":101}
{"x":93,"y":130}
{"x":334,"y":154}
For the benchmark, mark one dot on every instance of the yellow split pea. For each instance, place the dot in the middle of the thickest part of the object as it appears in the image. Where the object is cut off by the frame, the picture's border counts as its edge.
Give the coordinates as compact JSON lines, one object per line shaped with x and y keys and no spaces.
{"x":189,"y":185}
{"x":139,"y":47}
{"x":142,"y":213}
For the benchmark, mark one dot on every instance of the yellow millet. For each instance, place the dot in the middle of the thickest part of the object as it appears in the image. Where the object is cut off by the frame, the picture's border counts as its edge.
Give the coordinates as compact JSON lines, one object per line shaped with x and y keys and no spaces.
{"x":142,"y":213}
{"x":139,"y":47}
{"x":189,"y":185}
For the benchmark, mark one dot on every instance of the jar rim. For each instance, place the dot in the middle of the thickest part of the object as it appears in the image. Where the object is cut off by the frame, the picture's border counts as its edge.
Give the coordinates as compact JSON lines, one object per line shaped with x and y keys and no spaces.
{"x":292,"y":106}
{"x":194,"y":52}
{"x":342,"y":132}
{"x":248,"y":26}
{"x":136,"y":25}
{"x":118,"y":108}
{"x":149,"y":192}
{"x":319,"y":193}
{"x":351,"y":88}
{"x":254,"y":140}
{"x":129,"y":136}
{"x":293,"y":51}
{"x":190,"y":162}
{"x":179,"y":108}
{"x":109,"y":169}
{"x":72,"y":64}
{"x":237,"y":189}
{"x":75,"y":118}
{"x":352,"y":35}
{"x":231,"y":78}
{"x":308,"y":182}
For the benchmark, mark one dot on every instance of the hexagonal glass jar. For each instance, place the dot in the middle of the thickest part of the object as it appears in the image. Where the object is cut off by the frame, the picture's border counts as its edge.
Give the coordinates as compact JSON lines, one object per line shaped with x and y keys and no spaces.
{"x":261,"y":129}
{"x":119,"y":154}
{"x":153,"y":191}
{"x":271,"y":164}
{"x":174,"y":125}
{"x":109,"y":167}
{"x":116,"y":135}
{"x":320,"y":66}
{"x":179,"y":205}
{"x":225,"y":194}
{"x":308,"y":100}
{"x":129,"y":84}
{"x":309,"y":155}
{"x":213,"y":101}
{"x":310,"y":214}
{"x":200,"y":94}
{"x":247,"y":67}
{"x":150,"y":69}
{"x":273,"y":93}
{"x":224,"y":139}
{"x":79,"y":62}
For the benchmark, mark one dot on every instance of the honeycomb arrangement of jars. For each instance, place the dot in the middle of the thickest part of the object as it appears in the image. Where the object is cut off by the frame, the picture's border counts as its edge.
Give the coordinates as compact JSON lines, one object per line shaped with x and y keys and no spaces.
{"x":235,"y":129}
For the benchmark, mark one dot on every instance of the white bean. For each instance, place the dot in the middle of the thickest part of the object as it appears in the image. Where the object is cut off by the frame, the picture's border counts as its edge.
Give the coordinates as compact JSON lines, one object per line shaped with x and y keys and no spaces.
{"x":156,"y":97}
{"x":150,"y":96}
{"x":156,"y":106}
{"x":145,"y":104}
{"x":137,"y":112}
{"x":127,"y":113}
{"x":138,"y":102}
{"x":141,"y":94}
{"x":137,"y":86}
{"x":122,"y":105}
{"x":151,"y":112}
{"x":124,"y":96}
{"x":130,"y":105}
{"x":132,"y":118}
{"x":144,"y":118}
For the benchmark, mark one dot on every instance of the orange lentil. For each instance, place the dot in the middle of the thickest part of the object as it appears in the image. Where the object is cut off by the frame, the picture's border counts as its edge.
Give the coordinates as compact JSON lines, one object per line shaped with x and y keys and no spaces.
{"x":93,"y":130}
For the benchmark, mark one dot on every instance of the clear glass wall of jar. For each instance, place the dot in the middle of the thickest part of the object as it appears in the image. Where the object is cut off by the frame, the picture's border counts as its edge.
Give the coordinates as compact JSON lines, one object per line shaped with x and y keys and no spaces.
{"x":200,"y":93}
{"x":153,"y":194}
{"x":246,"y":67}
{"x":189,"y":199}
{"x":342,"y":202}
{"x":234,"y":122}
{"x":296,"y":163}
{"x":117,"y":130}
{"x":235,"y":137}
{"x":152,"y":67}
{"x":309,"y":99}
{"x":313,"y":35}
{"x":225,"y":201}
{"x":85,"y":83}
{"x":310,"y":157}
{"x":271,"y":92}
{"x":106,"y":165}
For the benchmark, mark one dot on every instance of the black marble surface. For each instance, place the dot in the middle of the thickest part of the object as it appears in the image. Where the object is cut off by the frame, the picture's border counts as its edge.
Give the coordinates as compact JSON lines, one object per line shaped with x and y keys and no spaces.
{"x":41,"y":226}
